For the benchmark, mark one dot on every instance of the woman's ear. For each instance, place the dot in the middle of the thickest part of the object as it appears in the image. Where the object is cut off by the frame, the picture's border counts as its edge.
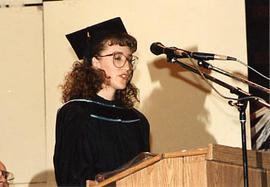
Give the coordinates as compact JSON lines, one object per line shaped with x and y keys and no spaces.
{"x":95,"y":63}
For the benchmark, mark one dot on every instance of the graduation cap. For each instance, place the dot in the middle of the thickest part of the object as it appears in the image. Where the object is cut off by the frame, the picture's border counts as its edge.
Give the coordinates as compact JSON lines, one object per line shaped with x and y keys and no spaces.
{"x":83,"y":40}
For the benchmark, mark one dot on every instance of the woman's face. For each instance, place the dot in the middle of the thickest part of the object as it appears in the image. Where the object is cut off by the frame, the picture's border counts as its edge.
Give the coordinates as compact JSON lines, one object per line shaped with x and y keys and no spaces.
{"x":118,"y":77}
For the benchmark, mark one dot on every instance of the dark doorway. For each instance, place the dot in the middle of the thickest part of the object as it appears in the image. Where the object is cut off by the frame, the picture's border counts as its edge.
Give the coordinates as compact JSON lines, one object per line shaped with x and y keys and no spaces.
{"x":257,"y":24}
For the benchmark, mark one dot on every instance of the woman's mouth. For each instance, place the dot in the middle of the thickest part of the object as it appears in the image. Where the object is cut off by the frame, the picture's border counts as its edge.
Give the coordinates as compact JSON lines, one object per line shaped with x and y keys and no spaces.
{"x":124,"y":76}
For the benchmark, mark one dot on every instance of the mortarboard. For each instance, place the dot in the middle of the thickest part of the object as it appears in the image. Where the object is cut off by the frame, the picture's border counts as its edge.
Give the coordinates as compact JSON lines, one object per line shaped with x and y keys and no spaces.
{"x":82,"y":40}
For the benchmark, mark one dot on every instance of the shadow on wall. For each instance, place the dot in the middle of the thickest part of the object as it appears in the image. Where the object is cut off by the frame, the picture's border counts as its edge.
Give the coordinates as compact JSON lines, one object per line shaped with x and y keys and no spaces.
{"x":43,"y":179}
{"x":176,"y":110}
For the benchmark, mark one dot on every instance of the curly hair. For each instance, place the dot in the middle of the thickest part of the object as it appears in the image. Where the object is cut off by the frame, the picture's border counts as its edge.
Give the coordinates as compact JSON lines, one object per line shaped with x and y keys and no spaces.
{"x":84,"y":82}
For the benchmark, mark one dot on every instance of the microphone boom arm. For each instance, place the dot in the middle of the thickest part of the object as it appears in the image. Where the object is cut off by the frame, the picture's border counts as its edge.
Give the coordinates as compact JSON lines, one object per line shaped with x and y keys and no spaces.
{"x":238,"y":91}
{"x":204,"y":64}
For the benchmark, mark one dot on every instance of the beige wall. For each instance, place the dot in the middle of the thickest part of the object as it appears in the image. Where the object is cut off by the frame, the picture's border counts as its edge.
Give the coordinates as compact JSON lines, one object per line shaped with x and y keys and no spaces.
{"x":22,"y":139}
{"x":184,"y":112}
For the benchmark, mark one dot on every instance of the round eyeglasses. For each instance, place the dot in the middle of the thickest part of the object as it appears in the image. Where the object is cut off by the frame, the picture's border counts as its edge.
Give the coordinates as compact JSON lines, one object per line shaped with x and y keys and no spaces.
{"x":119,"y":60}
{"x":7,"y":175}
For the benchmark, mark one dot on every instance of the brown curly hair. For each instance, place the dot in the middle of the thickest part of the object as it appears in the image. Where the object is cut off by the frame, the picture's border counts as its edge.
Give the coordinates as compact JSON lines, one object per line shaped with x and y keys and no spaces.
{"x":83,"y":81}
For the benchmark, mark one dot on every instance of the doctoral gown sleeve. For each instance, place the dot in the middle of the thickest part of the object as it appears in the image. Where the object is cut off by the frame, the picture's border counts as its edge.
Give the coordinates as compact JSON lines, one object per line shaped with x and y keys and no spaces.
{"x":73,"y":157}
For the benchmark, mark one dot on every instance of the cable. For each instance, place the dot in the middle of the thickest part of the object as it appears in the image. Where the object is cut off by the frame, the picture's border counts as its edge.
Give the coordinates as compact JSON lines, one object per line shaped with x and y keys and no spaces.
{"x":225,"y":97}
{"x":253,"y":69}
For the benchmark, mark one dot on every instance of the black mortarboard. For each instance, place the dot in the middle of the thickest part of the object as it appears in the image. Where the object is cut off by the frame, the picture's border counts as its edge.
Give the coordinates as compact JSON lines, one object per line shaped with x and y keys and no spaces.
{"x":82,"y":40}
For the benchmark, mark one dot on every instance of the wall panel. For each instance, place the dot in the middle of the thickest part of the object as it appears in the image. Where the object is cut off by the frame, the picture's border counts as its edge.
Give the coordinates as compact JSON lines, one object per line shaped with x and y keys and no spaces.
{"x":22,"y":121}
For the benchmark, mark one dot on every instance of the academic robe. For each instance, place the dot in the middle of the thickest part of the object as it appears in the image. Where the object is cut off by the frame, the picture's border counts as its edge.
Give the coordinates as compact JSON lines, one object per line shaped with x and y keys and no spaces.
{"x":95,"y":136}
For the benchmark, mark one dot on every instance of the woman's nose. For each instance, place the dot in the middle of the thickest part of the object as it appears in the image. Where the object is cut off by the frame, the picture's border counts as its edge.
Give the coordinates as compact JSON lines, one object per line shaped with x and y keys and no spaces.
{"x":127,"y":66}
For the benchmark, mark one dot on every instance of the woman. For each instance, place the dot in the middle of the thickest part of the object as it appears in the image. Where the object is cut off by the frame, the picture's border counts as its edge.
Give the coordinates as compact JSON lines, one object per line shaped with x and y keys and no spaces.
{"x":97,"y":129}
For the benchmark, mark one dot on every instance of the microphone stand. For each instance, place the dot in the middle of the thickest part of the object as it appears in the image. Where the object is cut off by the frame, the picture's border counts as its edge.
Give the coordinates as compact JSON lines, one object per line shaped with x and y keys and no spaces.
{"x":241,"y":105}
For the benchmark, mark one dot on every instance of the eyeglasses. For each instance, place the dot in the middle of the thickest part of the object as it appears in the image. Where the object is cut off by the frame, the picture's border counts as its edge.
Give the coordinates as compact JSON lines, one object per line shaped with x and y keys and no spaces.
{"x":7,"y":175}
{"x":119,"y":60}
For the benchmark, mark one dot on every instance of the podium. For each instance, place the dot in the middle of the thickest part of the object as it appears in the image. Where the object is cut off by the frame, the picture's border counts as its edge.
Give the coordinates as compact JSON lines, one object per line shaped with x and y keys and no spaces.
{"x":214,"y":166}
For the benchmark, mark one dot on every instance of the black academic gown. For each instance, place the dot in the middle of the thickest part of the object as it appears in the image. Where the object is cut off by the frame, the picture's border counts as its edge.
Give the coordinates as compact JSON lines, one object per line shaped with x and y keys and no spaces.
{"x":94,"y":136}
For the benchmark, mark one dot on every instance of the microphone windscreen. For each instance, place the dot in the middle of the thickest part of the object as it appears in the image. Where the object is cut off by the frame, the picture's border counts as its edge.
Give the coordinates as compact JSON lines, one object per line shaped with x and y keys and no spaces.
{"x":157,"y":48}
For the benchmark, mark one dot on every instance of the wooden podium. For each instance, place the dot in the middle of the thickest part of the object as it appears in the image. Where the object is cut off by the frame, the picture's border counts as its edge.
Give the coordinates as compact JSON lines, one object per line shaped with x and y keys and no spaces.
{"x":214,"y":166}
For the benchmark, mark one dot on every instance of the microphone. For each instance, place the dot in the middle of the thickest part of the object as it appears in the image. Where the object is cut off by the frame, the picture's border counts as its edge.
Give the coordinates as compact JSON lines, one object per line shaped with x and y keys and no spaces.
{"x":158,"y":48}
{"x":210,"y":56}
